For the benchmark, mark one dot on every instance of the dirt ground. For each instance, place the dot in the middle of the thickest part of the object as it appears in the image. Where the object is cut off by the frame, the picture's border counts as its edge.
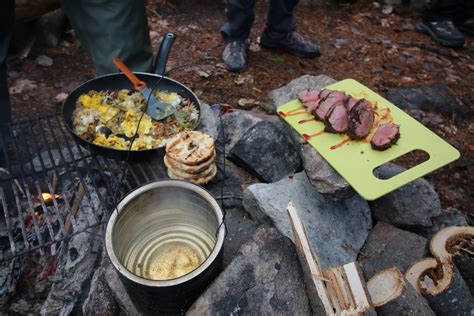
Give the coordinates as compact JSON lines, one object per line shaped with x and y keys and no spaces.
{"x":357,"y":41}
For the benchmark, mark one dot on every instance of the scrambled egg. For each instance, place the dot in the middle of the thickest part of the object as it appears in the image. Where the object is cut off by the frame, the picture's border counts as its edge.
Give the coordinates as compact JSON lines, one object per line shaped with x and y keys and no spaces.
{"x":110,"y":118}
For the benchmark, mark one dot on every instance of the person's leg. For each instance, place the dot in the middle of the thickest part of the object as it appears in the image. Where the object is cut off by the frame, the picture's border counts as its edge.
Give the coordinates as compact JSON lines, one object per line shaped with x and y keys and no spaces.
{"x":280,"y":16}
{"x":7,"y":22}
{"x":437,"y":22}
{"x":236,"y":32}
{"x":280,"y":31}
{"x":109,"y":29}
{"x":240,"y":17}
{"x":464,"y":16}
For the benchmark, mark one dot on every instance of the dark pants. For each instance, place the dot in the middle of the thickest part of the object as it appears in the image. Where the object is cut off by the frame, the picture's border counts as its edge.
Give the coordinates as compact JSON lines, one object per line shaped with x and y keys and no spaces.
{"x":7,"y":21}
{"x":108,"y":29}
{"x":449,"y":10}
{"x":241,"y":14}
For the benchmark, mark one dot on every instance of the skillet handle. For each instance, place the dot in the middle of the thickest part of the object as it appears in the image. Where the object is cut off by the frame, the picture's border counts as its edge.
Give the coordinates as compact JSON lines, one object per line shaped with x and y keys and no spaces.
{"x":163,"y":53}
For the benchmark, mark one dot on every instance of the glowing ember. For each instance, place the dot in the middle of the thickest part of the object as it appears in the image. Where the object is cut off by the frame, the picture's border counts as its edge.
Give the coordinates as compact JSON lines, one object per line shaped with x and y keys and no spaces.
{"x":48,"y":196}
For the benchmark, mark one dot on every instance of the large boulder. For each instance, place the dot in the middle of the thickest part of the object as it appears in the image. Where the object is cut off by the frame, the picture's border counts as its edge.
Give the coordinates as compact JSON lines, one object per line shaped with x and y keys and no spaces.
{"x":388,"y":246}
{"x":432,"y":98}
{"x":290,"y":92}
{"x":264,"y":278}
{"x":322,"y":176}
{"x":266,"y":153}
{"x":449,"y":217}
{"x":337,"y":230}
{"x":208,"y":124}
{"x":412,"y":207}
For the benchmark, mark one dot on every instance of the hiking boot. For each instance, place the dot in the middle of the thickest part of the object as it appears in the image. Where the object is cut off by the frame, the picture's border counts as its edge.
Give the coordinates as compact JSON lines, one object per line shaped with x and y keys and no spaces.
{"x":442,"y":32}
{"x":466,"y":26}
{"x":235,"y":55}
{"x":292,"y":42}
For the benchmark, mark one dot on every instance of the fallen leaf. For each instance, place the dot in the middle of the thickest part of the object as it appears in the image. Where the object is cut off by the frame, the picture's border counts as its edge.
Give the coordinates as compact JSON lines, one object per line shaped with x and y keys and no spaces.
{"x":384,"y":23}
{"x":61,"y":97}
{"x":243,"y":79}
{"x":22,"y":85}
{"x":247,"y":102}
{"x":202,"y":74}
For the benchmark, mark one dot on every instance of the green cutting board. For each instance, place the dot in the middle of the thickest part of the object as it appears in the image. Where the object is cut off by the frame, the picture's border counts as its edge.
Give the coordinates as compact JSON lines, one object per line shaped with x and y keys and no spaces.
{"x":355,"y":161}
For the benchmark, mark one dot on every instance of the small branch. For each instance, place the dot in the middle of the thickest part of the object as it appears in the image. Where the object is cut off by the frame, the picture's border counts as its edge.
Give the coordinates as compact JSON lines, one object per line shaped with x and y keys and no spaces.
{"x":440,"y":51}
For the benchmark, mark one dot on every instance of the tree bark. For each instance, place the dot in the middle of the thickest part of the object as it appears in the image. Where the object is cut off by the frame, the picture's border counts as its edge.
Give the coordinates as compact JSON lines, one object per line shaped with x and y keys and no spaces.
{"x":442,"y":285}
{"x":392,"y":295}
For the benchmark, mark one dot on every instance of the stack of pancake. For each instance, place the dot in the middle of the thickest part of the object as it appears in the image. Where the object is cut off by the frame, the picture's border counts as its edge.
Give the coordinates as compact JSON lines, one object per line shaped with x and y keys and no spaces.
{"x":191,"y":156}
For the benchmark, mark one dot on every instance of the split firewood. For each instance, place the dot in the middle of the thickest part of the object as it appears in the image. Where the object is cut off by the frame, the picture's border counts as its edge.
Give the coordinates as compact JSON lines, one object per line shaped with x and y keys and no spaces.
{"x":456,"y":244}
{"x":442,"y":285}
{"x":335,"y":291}
{"x":392,"y":295}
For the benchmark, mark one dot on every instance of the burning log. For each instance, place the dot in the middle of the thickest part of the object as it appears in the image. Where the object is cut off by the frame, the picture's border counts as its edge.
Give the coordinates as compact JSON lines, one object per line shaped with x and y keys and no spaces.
{"x":335,"y":291}
{"x":392,"y":295}
{"x":456,"y":244}
{"x":442,"y":285}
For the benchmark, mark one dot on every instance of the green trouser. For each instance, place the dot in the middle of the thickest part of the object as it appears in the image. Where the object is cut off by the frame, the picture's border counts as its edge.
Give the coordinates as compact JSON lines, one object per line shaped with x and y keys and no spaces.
{"x":112,"y":28}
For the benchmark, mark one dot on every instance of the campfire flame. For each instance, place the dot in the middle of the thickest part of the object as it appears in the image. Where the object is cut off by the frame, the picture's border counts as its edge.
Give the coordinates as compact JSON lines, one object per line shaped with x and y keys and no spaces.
{"x":48,"y":196}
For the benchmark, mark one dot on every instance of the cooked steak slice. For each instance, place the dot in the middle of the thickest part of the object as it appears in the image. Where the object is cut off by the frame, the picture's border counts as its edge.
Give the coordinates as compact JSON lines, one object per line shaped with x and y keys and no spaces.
{"x":337,"y":119}
{"x":327,"y":103}
{"x":385,"y":136}
{"x":309,"y":95}
{"x":351,"y":102}
{"x":361,"y":120}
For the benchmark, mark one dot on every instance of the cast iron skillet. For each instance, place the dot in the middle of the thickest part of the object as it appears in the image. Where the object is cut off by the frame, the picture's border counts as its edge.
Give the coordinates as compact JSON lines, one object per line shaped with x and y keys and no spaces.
{"x":120,"y":81}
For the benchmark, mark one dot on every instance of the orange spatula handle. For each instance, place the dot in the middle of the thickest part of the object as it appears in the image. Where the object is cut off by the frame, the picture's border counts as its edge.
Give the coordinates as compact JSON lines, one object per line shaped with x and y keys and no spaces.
{"x":137,"y":83}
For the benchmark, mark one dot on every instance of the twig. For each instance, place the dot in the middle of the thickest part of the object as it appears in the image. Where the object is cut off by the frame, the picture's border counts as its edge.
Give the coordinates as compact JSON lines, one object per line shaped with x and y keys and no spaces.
{"x":440,"y":51}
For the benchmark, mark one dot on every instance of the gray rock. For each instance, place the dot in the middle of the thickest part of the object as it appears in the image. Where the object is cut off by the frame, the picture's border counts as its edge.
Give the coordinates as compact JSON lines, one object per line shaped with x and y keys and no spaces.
{"x":118,"y":290}
{"x":264,"y":278}
{"x":388,"y":246}
{"x":100,"y":300}
{"x":449,"y":217}
{"x":322,"y":176}
{"x":44,"y":61}
{"x":239,"y":122}
{"x":337,"y":230}
{"x":290,"y":92}
{"x":266,"y":153}
{"x":411,"y":207}
{"x":208,"y":124}
{"x":240,"y":228}
{"x":432,"y":98}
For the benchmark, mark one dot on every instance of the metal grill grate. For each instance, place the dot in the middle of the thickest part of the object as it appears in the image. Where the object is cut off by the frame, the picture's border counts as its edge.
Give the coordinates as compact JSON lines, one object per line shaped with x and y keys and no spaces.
{"x":42,"y":157}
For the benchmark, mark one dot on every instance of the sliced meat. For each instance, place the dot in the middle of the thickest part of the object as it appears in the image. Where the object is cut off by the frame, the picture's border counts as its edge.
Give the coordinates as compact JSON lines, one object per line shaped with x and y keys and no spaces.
{"x":361,"y":120}
{"x":350,"y":103}
{"x":337,"y":119}
{"x":332,"y":98}
{"x":385,"y":136}
{"x":309,"y":95}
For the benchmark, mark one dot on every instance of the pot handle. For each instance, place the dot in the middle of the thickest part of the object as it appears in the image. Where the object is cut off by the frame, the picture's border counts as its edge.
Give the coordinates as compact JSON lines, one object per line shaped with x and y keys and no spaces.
{"x":163,"y":53}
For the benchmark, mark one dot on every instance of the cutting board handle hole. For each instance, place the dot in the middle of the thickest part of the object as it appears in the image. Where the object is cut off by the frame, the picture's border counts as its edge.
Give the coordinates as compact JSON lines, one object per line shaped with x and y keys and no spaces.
{"x":409,"y":160}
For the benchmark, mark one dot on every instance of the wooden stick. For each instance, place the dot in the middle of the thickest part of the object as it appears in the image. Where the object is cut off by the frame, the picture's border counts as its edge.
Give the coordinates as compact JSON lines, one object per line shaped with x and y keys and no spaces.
{"x":391,"y":295}
{"x":74,"y":208}
{"x":335,"y":291}
{"x":442,"y":285}
{"x":311,"y":263}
